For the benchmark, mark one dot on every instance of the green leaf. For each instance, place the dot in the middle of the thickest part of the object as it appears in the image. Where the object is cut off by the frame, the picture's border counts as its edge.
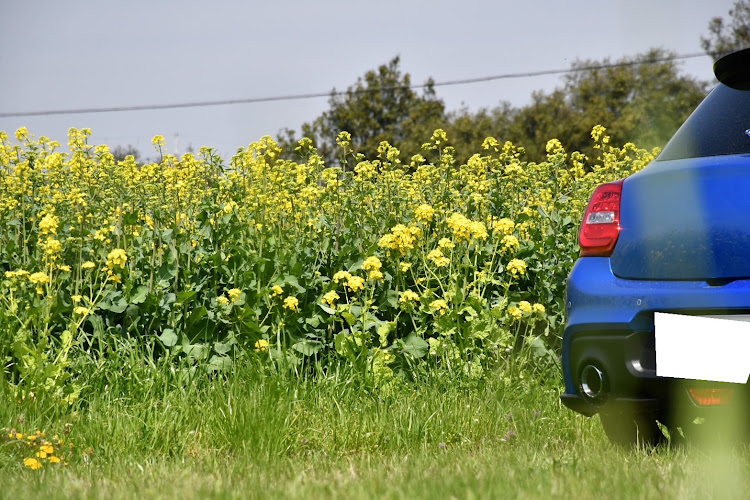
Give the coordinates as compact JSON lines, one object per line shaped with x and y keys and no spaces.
{"x":415,"y":346}
{"x":139,"y":296}
{"x":307,"y":347}
{"x":186,"y":296}
{"x":349,"y":317}
{"x":222,"y":347}
{"x":292,"y":280}
{"x":327,"y":309}
{"x":168,"y":337}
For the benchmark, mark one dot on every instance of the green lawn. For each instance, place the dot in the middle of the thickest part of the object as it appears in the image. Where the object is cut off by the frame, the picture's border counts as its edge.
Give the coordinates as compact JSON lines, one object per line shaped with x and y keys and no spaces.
{"x":254,"y":437}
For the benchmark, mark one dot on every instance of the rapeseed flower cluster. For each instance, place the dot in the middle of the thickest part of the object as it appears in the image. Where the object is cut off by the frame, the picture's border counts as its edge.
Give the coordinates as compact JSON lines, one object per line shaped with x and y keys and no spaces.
{"x":455,"y":254}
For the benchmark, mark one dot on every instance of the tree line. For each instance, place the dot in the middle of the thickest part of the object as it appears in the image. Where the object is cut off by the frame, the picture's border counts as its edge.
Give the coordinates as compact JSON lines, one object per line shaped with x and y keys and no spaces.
{"x":641,"y":99}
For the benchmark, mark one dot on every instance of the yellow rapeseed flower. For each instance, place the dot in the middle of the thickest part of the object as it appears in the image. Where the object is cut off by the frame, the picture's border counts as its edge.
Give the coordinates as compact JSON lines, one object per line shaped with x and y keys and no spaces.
{"x":330,"y":298}
{"x":355,"y":283}
{"x":117,"y":257}
{"x":375,"y":275}
{"x":439,"y":306}
{"x":291,"y":303}
{"x":52,"y":246}
{"x":408,"y":296}
{"x":446,"y":244}
{"x":516,"y":267}
{"x":277,"y":290}
{"x":341,"y":275}
{"x":48,"y":224}
{"x":221,"y":300}
{"x":372,"y":263}
{"x":510,"y":243}
{"x":424,"y":213}
{"x":39,"y":278}
{"x":88,"y":265}
{"x":234,"y":294}
{"x":261,"y":345}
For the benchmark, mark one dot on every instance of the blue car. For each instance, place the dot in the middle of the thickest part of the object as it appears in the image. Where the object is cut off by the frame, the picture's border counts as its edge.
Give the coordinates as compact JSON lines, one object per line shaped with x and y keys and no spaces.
{"x":672,"y":239}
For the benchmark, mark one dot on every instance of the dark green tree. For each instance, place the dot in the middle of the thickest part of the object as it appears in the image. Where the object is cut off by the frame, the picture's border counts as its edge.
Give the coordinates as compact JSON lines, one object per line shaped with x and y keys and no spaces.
{"x":381,"y":106}
{"x":120,"y":152}
{"x":727,"y":36}
{"x":641,"y":99}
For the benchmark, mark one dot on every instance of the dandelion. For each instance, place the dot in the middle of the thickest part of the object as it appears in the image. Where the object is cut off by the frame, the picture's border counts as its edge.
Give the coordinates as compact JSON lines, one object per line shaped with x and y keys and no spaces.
{"x":261,"y":345}
{"x":54,"y":460}
{"x":32,"y":463}
{"x":291,"y":303}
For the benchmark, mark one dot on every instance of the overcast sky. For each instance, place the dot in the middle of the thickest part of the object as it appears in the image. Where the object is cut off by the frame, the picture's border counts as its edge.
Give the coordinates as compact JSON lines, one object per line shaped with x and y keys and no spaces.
{"x":98,"y":53}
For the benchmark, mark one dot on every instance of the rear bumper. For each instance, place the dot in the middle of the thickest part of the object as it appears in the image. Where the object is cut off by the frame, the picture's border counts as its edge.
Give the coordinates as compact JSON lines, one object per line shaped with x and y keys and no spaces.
{"x":611,"y":325}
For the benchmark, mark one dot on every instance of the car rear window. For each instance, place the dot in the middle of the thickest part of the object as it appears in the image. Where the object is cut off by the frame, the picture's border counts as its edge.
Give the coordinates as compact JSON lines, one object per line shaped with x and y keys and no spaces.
{"x":720,"y":125}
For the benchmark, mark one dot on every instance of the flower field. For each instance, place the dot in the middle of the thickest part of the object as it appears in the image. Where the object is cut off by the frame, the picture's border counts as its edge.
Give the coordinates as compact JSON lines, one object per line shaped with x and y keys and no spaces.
{"x":380,"y":269}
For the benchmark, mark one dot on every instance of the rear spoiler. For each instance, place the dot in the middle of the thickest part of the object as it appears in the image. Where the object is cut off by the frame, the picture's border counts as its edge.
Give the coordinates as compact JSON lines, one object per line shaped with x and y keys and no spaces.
{"x":733,"y":70}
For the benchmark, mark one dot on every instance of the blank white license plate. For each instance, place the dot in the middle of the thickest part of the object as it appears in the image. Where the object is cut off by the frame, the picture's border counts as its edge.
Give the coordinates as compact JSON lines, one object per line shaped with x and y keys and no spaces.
{"x":714,"y":348}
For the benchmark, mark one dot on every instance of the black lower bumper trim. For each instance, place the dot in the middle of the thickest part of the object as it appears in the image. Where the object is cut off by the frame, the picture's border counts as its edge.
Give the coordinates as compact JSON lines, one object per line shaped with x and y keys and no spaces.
{"x":620,"y":405}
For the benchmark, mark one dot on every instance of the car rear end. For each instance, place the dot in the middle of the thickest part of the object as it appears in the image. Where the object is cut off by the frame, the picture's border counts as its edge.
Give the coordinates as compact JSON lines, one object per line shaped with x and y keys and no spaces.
{"x":673,"y":238}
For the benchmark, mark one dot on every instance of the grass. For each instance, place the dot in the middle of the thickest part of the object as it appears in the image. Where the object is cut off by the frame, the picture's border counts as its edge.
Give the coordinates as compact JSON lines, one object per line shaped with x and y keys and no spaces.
{"x":276,"y":437}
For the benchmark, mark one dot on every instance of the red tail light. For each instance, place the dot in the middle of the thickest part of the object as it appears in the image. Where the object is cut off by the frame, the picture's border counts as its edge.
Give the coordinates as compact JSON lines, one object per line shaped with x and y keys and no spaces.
{"x":711,"y":397}
{"x":601,"y":223}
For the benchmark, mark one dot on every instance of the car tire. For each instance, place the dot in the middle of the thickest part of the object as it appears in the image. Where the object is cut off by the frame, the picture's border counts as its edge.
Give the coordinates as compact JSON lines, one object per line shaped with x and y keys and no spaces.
{"x":632,"y":429}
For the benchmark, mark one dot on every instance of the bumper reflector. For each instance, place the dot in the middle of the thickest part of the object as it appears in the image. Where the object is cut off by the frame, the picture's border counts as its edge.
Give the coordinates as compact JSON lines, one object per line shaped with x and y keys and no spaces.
{"x":711,"y":397}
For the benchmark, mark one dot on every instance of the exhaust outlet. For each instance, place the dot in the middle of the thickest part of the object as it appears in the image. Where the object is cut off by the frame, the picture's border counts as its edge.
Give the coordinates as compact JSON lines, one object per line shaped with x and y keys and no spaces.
{"x":593,"y":383}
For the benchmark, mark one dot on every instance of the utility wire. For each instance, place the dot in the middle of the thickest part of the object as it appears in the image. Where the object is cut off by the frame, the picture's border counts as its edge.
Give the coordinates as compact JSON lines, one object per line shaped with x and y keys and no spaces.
{"x":313,"y":95}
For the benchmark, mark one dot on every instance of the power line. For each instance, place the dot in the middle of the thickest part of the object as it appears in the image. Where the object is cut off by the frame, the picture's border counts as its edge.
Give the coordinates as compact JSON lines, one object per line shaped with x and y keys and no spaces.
{"x":313,"y":95}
